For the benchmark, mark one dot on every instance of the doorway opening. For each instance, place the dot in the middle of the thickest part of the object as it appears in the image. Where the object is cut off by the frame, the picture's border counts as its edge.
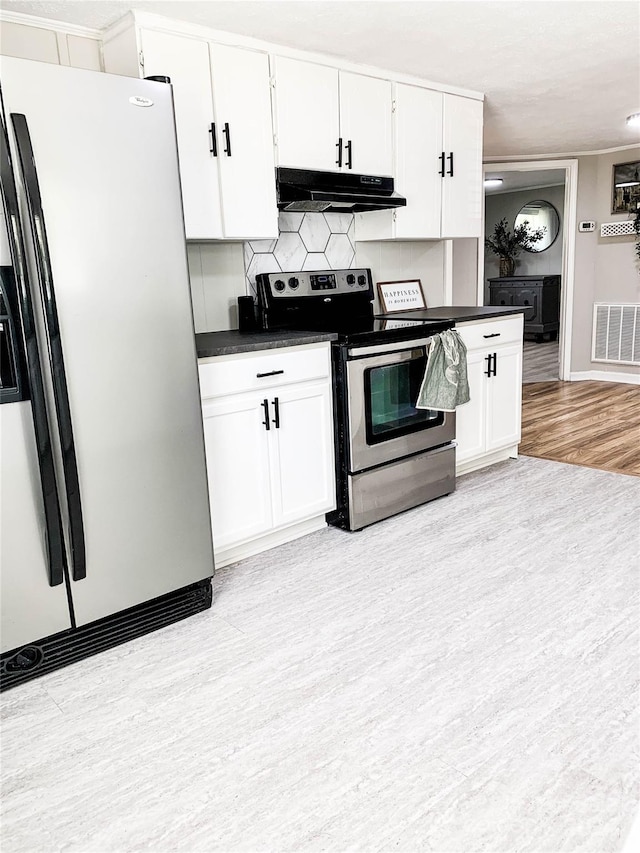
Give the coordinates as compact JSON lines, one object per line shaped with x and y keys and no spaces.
{"x":542,"y":193}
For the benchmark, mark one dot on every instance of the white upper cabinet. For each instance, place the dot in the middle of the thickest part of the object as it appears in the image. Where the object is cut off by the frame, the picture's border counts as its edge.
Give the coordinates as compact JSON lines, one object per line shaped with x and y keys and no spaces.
{"x":462,"y":187}
{"x":222,"y":104}
{"x":244,"y":142}
{"x":186,"y":62}
{"x":437,"y":166}
{"x":332,"y":120}
{"x":365,"y":124}
{"x":306,"y":114}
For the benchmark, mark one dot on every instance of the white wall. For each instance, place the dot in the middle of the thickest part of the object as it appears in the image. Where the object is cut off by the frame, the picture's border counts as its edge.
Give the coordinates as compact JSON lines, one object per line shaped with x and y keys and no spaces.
{"x":606,"y":268}
{"x":507,"y":205}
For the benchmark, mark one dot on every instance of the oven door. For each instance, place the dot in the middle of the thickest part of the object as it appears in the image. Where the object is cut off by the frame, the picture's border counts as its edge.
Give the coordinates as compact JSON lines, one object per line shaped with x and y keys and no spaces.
{"x":383,"y":383}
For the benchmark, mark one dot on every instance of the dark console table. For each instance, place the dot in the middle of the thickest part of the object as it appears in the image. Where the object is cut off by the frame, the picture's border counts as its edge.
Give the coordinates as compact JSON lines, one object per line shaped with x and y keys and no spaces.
{"x":540,"y":296}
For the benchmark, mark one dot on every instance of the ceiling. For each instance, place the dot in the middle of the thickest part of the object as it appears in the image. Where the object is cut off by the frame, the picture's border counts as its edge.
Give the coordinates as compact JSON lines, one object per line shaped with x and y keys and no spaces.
{"x":559,"y":76}
{"x":524,"y":180}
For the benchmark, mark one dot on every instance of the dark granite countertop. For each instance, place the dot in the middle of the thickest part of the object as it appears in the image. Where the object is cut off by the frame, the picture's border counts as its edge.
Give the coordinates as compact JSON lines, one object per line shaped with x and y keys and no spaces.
{"x":460,"y":313}
{"x":210,"y":344}
{"x":229,"y":343}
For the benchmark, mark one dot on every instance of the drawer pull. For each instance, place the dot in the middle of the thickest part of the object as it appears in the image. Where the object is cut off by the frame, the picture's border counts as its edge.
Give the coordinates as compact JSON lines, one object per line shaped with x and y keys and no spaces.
{"x":269,"y":373}
{"x":493,"y":335}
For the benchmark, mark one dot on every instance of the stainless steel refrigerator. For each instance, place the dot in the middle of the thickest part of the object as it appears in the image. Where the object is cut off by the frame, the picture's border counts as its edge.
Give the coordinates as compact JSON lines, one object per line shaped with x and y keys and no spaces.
{"x":104,"y":513}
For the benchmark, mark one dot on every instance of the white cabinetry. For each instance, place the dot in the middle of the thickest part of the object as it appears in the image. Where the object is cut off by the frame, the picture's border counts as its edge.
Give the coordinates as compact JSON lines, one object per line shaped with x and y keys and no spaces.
{"x":223,"y":124}
{"x":437,"y":166}
{"x":331,"y":120}
{"x":488,"y":426}
{"x":268,"y":423}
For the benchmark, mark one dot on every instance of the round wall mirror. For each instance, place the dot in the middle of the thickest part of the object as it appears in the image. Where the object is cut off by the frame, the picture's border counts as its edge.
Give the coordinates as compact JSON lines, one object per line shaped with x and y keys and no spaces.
{"x":540,"y":214}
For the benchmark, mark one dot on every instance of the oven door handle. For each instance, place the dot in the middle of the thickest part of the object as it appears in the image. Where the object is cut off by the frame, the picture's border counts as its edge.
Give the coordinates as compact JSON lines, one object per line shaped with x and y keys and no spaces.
{"x":382,"y":359}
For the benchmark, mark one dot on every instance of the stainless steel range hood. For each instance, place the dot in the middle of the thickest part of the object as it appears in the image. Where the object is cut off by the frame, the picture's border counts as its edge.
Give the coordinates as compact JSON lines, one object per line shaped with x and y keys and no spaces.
{"x":304,"y":190}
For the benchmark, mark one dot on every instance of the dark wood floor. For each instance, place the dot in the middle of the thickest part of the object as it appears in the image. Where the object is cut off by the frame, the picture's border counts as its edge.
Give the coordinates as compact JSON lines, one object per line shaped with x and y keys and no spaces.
{"x":596,"y":424}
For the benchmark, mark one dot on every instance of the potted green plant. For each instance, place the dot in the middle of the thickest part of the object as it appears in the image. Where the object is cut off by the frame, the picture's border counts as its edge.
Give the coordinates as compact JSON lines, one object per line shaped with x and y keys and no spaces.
{"x":507,"y":245}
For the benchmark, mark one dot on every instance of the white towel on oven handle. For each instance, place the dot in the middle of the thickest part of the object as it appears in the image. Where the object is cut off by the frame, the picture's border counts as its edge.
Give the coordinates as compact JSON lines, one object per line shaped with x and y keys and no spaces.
{"x":445,"y":384}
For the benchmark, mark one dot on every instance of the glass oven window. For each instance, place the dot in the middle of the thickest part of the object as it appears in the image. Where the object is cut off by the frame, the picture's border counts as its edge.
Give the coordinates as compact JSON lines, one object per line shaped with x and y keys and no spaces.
{"x":391,"y":393}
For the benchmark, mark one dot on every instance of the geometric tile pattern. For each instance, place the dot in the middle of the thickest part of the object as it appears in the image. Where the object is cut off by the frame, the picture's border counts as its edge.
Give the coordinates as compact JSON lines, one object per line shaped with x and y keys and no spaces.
{"x":307,"y":241}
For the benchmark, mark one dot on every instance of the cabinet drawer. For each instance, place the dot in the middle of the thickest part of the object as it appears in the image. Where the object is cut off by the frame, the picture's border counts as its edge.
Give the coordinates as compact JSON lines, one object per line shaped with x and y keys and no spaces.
{"x":234,"y":374}
{"x":481,"y":334}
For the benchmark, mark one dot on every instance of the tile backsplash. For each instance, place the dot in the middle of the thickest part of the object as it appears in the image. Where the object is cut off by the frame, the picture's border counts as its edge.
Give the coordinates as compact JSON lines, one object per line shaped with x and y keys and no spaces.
{"x":307,"y":241}
{"x":220,"y":272}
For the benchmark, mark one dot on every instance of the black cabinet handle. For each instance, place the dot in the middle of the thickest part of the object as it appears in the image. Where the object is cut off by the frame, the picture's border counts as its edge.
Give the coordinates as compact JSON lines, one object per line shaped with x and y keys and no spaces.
{"x":227,"y":134}
{"x":213,"y":148}
{"x":450,"y":159}
{"x":349,"y":154}
{"x":269,"y":373}
{"x":265,"y":422}
{"x":495,"y":364}
{"x":276,"y":407}
{"x":441,"y":172}
{"x":493,"y":334}
{"x":339,"y":147}
{"x":492,"y":361}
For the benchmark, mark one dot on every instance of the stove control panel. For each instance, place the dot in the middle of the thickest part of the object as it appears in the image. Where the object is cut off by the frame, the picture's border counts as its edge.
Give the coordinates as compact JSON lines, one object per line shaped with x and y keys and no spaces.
{"x":318,"y":283}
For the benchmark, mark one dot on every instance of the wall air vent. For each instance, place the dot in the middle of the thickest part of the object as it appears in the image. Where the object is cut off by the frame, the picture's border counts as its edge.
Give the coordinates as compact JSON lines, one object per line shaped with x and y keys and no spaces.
{"x":616,"y":333}
{"x":617,"y":229}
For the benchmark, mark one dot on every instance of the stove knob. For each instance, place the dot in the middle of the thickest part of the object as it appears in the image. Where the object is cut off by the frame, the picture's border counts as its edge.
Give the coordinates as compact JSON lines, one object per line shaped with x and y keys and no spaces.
{"x":279,"y":285}
{"x":351,"y":279}
{"x":362,"y":280}
{"x":294,"y":283}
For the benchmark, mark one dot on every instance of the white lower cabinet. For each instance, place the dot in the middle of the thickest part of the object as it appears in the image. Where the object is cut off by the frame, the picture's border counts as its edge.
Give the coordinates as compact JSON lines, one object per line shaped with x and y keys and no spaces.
{"x":269,"y":445}
{"x":488,"y":426}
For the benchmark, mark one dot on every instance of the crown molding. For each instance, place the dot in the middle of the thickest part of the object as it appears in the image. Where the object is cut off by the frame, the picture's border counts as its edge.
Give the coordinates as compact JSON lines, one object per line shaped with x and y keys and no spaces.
{"x":533,"y":157}
{"x":47,"y":24}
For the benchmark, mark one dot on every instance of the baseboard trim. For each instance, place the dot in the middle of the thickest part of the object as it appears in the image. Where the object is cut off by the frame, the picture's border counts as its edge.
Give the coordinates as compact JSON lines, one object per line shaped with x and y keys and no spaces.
{"x":240,"y":552}
{"x":605,"y":376}
{"x":479,"y":462}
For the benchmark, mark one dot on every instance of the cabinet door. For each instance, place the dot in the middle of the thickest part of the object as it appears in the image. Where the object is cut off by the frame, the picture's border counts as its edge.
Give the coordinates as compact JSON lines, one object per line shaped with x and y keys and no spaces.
{"x":303,"y":467}
{"x":418,"y":125}
{"x":186,"y":62}
{"x":306,"y":113}
{"x":500,"y":295}
{"x":530,"y":297}
{"x":242,"y":101}
{"x":462,"y":193}
{"x":471,"y":416}
{"x":236,"y":444}
{"x":504,"y":398}
{"x":365,"y":123}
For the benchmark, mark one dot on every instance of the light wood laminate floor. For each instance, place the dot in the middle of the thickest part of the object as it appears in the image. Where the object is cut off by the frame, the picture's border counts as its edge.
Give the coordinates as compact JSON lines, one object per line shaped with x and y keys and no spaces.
{"x":540,"y":362}
{"x":584,"y":423}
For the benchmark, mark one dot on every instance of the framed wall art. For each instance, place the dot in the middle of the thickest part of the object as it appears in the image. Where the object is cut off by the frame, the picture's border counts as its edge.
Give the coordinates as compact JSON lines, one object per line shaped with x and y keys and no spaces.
{"x":626,"y":188}
{"x":401,"y":295}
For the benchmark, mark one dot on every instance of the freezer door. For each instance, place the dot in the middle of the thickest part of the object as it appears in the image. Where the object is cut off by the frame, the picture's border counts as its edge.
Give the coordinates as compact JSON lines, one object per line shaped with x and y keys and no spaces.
{"x":29,"y":607}
{"x":111,"y":234}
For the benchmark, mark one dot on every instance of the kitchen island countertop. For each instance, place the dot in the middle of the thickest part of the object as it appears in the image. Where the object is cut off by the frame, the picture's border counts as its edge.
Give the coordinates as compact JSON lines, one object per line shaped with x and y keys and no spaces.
{"x":209,"y":344}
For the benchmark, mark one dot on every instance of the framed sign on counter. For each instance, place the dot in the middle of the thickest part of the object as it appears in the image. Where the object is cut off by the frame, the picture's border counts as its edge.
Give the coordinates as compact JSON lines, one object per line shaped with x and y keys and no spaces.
{"x":401,"y":295}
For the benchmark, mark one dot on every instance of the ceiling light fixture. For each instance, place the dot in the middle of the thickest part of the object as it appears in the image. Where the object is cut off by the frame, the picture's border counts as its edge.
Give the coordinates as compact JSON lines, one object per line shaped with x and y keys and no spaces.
{"x":492,"y":182}
{"x":634,"y":120}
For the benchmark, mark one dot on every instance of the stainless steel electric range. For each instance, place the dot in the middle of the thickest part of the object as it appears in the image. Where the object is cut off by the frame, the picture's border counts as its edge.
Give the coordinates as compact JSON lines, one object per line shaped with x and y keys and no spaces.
{"x":390,"y":456}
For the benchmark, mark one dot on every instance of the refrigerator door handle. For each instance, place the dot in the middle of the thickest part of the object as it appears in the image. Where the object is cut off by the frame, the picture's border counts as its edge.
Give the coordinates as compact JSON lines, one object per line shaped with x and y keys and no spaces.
{"x":60,"y":393}
{"x":22,"y":309}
